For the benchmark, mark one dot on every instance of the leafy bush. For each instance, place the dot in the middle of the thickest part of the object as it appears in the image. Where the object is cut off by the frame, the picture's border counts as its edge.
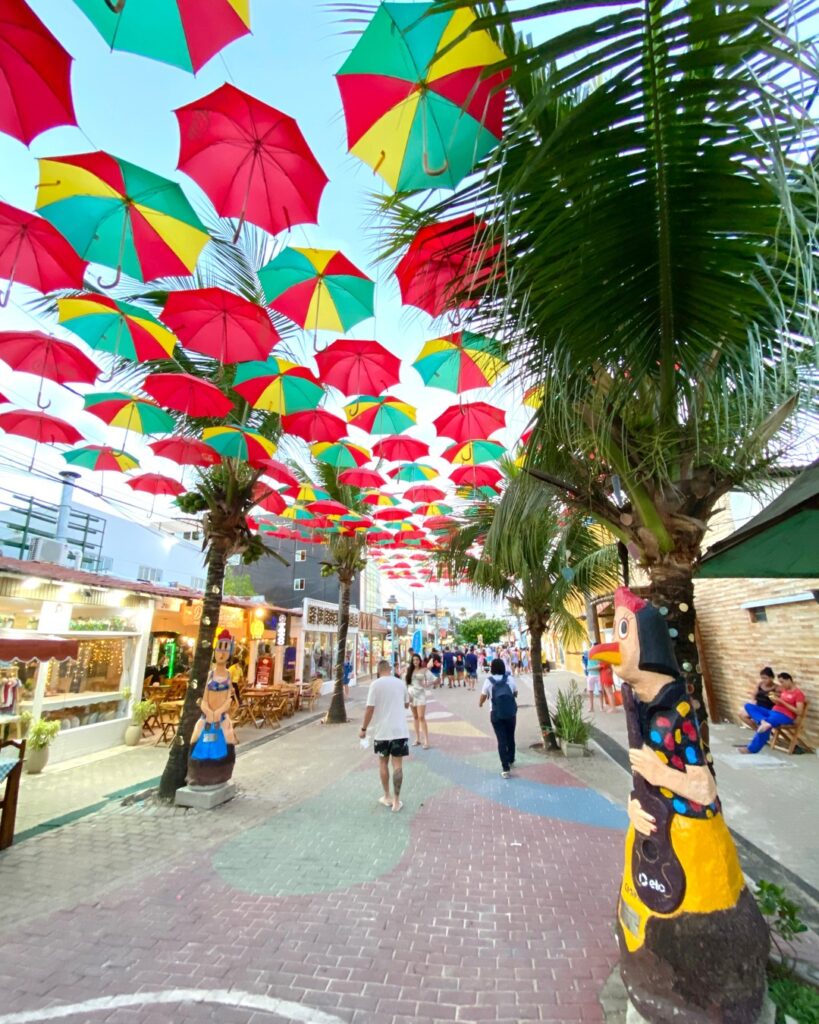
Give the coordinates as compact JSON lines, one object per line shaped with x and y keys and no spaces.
{"x":142,"y":711}
{"x":792,"y":997}
{"x":781,"y":913}
{"x":41,"y":733}
{"x":570,"y":725}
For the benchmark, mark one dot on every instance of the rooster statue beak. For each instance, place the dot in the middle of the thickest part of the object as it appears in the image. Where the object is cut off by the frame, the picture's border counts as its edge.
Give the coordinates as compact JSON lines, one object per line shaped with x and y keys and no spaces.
{"x":609,"y":653}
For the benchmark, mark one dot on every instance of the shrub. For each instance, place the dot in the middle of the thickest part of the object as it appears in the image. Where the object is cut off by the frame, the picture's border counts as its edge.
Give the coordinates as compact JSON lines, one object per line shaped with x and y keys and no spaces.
{"x":570,"y":725}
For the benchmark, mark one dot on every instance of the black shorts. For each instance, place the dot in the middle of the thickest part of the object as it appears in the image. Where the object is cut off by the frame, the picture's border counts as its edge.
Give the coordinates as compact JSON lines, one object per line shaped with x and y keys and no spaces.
{"x":391,"y":748}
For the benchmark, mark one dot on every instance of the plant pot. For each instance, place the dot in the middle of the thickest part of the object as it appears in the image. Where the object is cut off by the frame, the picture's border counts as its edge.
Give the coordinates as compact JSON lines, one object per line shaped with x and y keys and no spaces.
{"x":572,"y":749}
{"x":133,"y":734}
{"x":36,"y":760}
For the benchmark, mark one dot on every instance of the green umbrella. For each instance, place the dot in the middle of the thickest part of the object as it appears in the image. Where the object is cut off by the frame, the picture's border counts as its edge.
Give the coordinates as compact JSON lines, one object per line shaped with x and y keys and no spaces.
{"x":341,"y":454}
{"x":277,"y":385}
{"x":413,"y":472}
{"x":119,"y":409}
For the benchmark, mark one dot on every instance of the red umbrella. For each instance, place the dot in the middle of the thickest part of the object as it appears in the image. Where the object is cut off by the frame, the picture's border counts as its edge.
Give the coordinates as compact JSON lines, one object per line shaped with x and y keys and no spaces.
{"x":186,"y":451}
{"x":268,"y":498}
{"x":328,"y":507}
{"x":476,"y":476}
{"x":188,"y":394}
{"x":361,"y":478}
{"x":4,"y":400}
{"x":39,"y":427}
{"x":46,"y":357}
{"x":220,"y":324}
{"x":280,"y":473}
{"x":358,"y":367}
{"x":470,"y":421}
{"x":35,"y":71}
{"x":398,"y":448}
{"x":314,"y":425}
{"x":447,"y":265}
{"x":391,"y":515}
{"x":425,"y":493}
{"x":34,"y":252}
{"x":251,"y":159}
{"x":156,"y":483}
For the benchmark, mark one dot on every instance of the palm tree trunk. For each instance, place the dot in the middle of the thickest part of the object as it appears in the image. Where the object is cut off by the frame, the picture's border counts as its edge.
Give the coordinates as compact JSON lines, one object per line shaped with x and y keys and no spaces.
{"x":176,"y":767}
{"x":337,"y":712}
{"x":541,"y":704}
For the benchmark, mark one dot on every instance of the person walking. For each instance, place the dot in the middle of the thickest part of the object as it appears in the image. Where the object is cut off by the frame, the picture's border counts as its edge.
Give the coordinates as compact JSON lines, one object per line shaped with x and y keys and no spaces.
{"x":449,"y":668}
{"x":459,"y":667}
{"x":434,"y":668}
{"x":387,"y":702}
{"x":471,"y":666}
{"x":418,"y":682}
{"x":501,"y":690}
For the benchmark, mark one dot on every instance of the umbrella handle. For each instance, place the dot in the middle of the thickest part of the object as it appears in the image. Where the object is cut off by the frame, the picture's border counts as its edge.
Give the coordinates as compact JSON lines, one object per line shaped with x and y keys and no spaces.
{"x":113,"y":283}
{"x":115,"y":6}
{"x":434,"y":172}
{"x":4,"y":299}
{"x":41,"y":405}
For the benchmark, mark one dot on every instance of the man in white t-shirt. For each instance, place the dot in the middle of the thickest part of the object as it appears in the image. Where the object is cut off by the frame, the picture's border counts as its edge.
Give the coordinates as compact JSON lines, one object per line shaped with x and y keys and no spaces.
{"x":387,"y":703}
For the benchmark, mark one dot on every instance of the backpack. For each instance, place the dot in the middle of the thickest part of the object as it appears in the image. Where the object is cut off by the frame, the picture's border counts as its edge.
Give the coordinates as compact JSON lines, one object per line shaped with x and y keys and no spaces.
{"x":504,"y":704}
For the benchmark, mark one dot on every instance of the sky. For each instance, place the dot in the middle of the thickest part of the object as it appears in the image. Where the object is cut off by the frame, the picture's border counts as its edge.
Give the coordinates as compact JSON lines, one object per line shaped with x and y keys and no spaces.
{"x":124,"y":106}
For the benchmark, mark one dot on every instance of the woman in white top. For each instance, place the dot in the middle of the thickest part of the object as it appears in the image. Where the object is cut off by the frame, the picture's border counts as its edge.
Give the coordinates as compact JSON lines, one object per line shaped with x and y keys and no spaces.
{"x":418,"y":682}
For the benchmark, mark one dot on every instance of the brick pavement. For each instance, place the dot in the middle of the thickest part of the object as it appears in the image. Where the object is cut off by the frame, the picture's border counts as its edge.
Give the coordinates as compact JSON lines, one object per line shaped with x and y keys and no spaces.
{"x":304,"y":899}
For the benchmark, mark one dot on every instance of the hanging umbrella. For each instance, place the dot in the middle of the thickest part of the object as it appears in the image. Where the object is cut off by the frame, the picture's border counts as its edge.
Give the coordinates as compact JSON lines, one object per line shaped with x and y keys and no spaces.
{"x":447,"y":265}
{"x":380,"y":415}
{"x":236,"y":443}
{"x":102,"y":458}
{"x":358,"y":367}
{"x":47,"y":358}
{"x":280,"y":473}
{"x":341,"y":454}
{"x":469,"y":421}
{"x":413,"y":472}
{"x":328,"y":507}
{"x":424,"y":492}
{"x":432,"y":508}
{"x":220,"y":324}
{"x":39,"y":427}
{"x":303,"y":493}
{"x":319,"y":289}
{"x":314,"y":425}
{"x":485,"y":493}
{"x":377,"y":498}
{"x":441,"y":524}
{"x":298,"y":513}
{"x":476,"y":476}
{"x":420,"y":108}
{"x":391,"y":515}
{"x":121,"y":328}
{"x":185,"y":451}
{"x":460,"y":362}
{"x":115,"y":213}
{"x":177,"y":32}
{"x":533,"y":396}
{"x":188,"y":394}
{"x":119,"y":409}
{"x":472,"y":453}
{"x":361,"y":478}
{"x":155,"y":483}
{"x":251,"y":160}
{"x":277,"y":385}
{"x":35,"y":72}
{"x":33,"y":252}
{"x":407,"y":449}
{"x":268,"y":499}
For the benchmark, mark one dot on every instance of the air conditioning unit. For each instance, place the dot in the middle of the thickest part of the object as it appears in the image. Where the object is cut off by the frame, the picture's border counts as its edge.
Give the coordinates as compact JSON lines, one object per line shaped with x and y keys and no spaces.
{"x":46,"y":549}
{"x":72,"y":557}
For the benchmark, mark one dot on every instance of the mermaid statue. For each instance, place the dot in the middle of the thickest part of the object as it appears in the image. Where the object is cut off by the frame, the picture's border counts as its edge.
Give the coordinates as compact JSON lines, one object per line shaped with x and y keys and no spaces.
{"x":213,"y":741}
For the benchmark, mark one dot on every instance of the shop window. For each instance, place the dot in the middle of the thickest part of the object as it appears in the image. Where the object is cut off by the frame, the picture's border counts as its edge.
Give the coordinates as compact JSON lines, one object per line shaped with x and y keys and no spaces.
{"x":301,"y":554}
{"x":757,"y":615}
{"x":149,"y":574}
{"x":298,"y":584}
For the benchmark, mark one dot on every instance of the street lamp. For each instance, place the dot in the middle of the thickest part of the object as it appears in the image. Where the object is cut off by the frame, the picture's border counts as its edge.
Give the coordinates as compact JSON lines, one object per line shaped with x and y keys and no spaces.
{"x":392,"y":601}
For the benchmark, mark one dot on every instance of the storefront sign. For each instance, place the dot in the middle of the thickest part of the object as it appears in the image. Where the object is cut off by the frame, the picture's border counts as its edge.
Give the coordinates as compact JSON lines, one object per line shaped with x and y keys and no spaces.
{"x":281,"y":631}
{"x":319,"y":616}
{"x":264,"y":668}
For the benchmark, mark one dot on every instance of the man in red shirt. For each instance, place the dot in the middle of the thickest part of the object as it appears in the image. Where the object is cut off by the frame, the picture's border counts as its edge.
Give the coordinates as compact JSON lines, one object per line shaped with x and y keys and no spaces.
{"x":787,"y":704}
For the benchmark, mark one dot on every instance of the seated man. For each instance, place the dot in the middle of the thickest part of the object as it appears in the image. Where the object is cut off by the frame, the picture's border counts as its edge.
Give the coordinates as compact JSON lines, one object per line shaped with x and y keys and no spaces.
{"x":788,"y":703}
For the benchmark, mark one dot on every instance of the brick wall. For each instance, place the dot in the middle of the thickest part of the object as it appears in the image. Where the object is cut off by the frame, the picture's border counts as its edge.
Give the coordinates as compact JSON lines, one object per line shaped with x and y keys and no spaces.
{"x":735,"y":648}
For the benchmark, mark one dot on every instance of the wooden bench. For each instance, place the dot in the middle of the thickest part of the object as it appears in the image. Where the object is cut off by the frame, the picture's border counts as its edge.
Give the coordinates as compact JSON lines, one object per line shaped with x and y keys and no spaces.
{"x":8,"y":802}
{"x":790,"y":735}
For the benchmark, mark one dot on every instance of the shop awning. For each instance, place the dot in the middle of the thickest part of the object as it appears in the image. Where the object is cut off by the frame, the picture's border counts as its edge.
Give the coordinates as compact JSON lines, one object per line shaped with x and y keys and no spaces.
{"x":19,"y":645}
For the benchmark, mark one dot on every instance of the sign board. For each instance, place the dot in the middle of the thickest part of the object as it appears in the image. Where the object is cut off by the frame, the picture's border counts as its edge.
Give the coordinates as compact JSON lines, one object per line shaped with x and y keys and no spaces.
{"x":403,"y":622}
{"x":281,"y":631}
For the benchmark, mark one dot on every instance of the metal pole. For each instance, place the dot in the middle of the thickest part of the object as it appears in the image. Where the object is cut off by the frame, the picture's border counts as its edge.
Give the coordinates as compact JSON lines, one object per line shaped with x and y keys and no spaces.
{"x":64,"y":511}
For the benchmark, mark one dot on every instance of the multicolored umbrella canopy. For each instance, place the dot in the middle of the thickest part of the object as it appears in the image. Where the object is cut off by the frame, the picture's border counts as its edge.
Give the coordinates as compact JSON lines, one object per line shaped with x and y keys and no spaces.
{"x":277,"y":385}
{"x":432,"y":508}
{"x":35,"y":71}
{"x":358,"y":367}
{"x":119,"y":409}
{"x":469,"y":421}
{"x":460,"y":362}
{"x":533,"y":396}
{"x":413,"y":472}
{"x":420,"y":109}
{"x":33,"y":252}
{"x":186,"y":451}
{"x":378,"y":499}
{"x":39,"y":427}
{"x":319,"y":289}
{"x":383,"y":415}
{"x":46,"y":357}
{"x":236,"y":443}
{"x":176,"y":32}
{"x":473,"y":453}
{"x":220,"y":324}
{"x":156,"y":483}
{"x":188,"y":394}
{"x":341,"y":454}
{"x":406,"y":449}
{"x":251,"y":159}
{"x":121,"y":328}
{"x":303,"y":493}
{"x":102,"y":458}
{"x":314,"y":425}
{"x":123,"y":216}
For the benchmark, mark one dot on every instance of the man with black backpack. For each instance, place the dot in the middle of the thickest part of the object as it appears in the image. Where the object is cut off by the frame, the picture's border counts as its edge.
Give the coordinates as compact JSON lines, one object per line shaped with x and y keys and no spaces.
{"x":500,"y":689}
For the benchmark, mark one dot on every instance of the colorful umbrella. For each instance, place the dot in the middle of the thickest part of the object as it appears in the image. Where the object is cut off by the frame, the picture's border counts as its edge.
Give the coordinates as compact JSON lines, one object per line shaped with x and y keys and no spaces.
{"x":378,"y":499}
{"x":44,"y":356}
{"x":441,"y":524}
{"x":533,"y":396}
{"x":413,"y":472}
{"x":156,"y":483}
{"x":185,"y":451}
{"x":407,"y":449}
{"x":39,"y":427}
{"x":380,"y":415}
{"x":36,"y":74}
{"x":424,"y":492}
{"x":341,"y":454}
{"x":471,"y":493}
{"x":419,"y":106}
{"x":33,"y":252}
{"x":361,"y":478}
{"x":298,"y":513}
{"x":460,"y":362}
{"x":319,"y":289}
{"x":314,"y":425}
{"x":236,"y":443}
{"x":304,"y":493}
{"x":476,"y":476}
{"x":279,"y":472}
{"x":277,"y":385}
{"x":176,"y":32}
{"x":102,"y":458}
{"x":220,"y":324}
{"x":391,"y":515}
{"x":447,"y":265}
{"x":268,"y":499}
{"x":328,"y":507}
{"x":473,"y":453}
{"x":251,"y":159}
{"x":115,"y":213}
{"x":119,"y":409}
{"x":188,"y":394}
{"x":358,"y":367}
{"x":469,"y":421}
{"x":121,"y":328}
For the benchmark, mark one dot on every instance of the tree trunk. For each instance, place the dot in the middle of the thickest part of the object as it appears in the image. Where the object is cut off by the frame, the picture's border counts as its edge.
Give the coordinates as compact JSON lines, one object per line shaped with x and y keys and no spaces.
{"x":541,"y":704}
{"x":176,"y":767}
{"x":337,"y":712}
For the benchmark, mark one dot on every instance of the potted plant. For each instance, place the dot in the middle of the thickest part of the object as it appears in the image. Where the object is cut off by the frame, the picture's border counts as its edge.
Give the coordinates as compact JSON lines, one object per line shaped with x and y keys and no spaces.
{"x":38,"y":739}
{"x":571,"y":727}
{"x":140,"y":713}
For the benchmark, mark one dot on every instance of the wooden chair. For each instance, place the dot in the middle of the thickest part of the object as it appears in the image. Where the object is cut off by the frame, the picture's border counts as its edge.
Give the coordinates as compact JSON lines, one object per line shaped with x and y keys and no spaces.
{"x":310,"y":693}
{"x":167,"y":719}
{"x":792,"y":733}
{"x":8,"y":802}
